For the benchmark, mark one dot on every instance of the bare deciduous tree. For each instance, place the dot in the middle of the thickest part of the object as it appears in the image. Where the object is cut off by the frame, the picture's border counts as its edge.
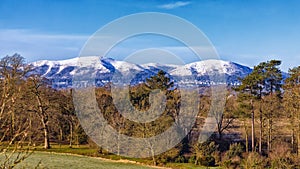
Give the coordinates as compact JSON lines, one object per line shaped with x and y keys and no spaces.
{"x":14,"y":120}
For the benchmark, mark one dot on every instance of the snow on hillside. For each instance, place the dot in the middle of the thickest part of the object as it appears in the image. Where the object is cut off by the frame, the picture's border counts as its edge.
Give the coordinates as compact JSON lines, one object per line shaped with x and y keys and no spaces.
{"x":63,"y":71}
{"x":208,"y":67}
{"x":123,"y":66}
{"x":164,"y":67}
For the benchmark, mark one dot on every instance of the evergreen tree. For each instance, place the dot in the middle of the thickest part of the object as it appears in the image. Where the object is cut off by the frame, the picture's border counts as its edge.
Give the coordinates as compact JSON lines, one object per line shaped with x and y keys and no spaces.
{"x":159,"y":81}
{"x":292,"y":106}
{"x":272,"y":96}
{"x":265,"y":80}
{"x":251,"y":89}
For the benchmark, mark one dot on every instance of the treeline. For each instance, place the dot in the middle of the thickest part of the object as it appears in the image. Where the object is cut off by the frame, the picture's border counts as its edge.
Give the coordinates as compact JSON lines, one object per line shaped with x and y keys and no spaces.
{"x":32,"y":113}
{"x":259,"y":127}
{"x":266,"y":109}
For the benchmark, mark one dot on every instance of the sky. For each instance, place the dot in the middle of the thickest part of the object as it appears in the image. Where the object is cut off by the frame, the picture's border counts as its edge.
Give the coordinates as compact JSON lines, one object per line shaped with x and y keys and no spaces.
{"x":246,"y":32}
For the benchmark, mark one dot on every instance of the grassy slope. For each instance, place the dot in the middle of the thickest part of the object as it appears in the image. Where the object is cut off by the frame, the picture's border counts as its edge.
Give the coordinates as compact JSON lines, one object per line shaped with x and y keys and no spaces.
{"x":67,"y":161}
{"x":56,"y":157}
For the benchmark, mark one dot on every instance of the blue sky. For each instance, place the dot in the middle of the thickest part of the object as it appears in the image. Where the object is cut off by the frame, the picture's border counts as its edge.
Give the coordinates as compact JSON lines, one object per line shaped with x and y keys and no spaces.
{"x":245,"y":32}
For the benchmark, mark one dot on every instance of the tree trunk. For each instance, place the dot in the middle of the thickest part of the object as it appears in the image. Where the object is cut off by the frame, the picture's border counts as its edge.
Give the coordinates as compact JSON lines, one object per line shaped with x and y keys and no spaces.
{"x":252,"y":127}
{"x":298,"y":136}
{"x":220,"y":135}
{"x":12,"y":124}
{"x":268,"y":139}
{"x":12,"y":118}
{"x":46,"y":134}
{"x":60,"y":136}
{"x":71,"y":135}
{"x":246,"y":137}
{"x":153,"y":156}
{"x":219,"y":125}
{"x":44,"y":120}
{"x":30,"y":129}
{"x":269,"y":134}
{"x":298,"y":143}
{"x":260,"y":130}
{"x":293,"y":140}
{"x":77,"y":140}
{"x":3,"y":98}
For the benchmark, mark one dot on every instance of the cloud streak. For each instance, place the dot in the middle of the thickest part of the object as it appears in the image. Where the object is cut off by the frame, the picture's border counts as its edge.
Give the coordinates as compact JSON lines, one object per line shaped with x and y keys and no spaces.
{"x":36,"y":46}
{"x":174,"y":5}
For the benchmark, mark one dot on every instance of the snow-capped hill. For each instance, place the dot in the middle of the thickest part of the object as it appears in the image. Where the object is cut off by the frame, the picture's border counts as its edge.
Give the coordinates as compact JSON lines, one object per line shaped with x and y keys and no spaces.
{"x":61,"y":73}
{"x":157,"y":66}
{"x":208,"y":72}
{"x":79,"y":61}
{"x":123,"y":66}
{"x":68,"y":62}
{"x":210,"y":67}
{"x":66,"y":68}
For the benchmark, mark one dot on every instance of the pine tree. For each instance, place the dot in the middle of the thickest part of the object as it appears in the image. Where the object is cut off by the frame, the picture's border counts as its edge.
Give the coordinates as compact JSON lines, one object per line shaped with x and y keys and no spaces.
{"x":272,"y":96}
{"x":251,"y":89}
{"x":292,"y":106}
{"x":265,"y":80}
{"x":159,"y":81}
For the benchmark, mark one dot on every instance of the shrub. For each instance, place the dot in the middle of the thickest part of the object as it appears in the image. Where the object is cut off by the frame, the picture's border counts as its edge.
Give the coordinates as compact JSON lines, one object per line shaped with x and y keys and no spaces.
{"x":163,"y":159}
{"x":204,"y":151}
{"x":235,"y":149}
{"x":226,"y":164}
{"x":253,"y":160}
{"x":217,"y":156}
{"x":180,"y":159}
{"x":192,"y":159}
{"x":281,"y":157}
{"x":232,"y":157}
{"x":207,"y":161}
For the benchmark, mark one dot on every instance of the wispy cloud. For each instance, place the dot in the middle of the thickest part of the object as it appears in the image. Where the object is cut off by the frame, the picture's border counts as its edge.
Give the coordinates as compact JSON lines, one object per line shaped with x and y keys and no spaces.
{"x":36,"y":45}
{"x":174,"y":5}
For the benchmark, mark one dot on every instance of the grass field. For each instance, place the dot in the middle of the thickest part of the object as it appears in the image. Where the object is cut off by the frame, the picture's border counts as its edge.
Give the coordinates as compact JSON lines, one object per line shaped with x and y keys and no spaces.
{"x":86,"y":157}
{"x":67,"y":161}
{"x":86,"y":151}
{"x":50,"y":160}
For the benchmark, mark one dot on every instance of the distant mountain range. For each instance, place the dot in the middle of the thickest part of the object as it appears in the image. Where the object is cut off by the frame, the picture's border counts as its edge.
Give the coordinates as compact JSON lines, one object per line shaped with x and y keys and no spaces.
{"x":61,"y":73}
